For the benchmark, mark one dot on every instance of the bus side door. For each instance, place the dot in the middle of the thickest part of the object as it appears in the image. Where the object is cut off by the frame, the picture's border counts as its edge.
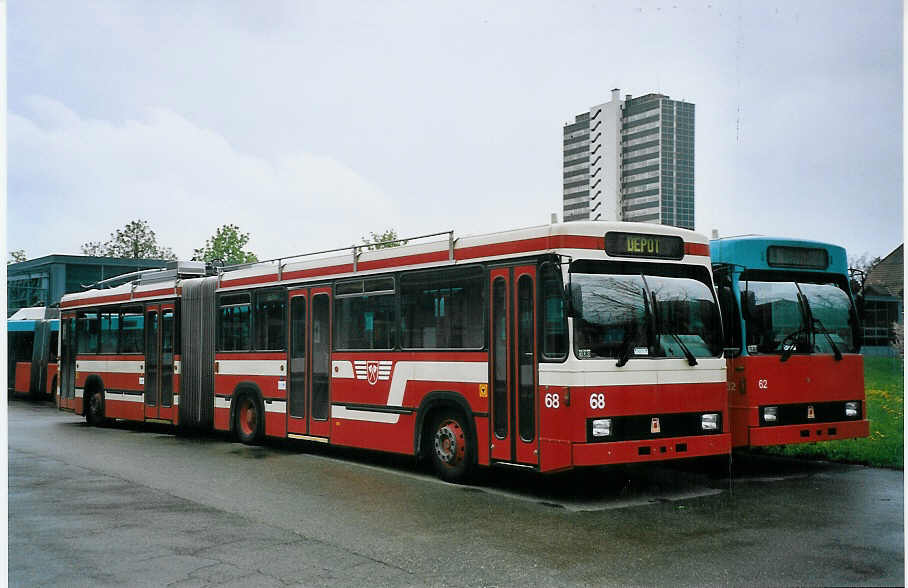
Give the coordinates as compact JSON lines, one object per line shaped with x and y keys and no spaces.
{"x":159,"y":347}
{"x":513,"y":366}
{"x":309,"y":362}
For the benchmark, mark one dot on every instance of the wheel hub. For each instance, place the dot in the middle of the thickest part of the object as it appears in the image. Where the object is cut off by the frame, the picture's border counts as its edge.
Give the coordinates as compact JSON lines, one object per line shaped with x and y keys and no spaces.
{"x":449,"y":443}
{"x":247,"y":418}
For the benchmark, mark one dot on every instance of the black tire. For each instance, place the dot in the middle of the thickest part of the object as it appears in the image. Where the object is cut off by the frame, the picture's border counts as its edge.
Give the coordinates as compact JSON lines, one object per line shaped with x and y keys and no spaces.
{"x":248,"y":419}
{"x":450,"y":447}
{"x":53,"y":391}
{"x":94,"y":409}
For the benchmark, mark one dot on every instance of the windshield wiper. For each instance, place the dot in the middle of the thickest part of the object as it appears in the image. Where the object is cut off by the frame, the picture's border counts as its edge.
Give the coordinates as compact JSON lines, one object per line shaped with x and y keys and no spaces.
{"x":625,"y":352}
{"x":787,"y":351}
{"x":825,"y":331}
{"x":631,"y":341}
{"x":691,"y":360}
{"x":805,"y":316}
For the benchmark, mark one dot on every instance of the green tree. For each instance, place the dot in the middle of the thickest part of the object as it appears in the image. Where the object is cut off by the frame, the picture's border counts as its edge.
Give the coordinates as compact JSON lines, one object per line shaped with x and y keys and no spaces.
{"x":93,"y":248}
{"x":134,"y":241}
{"x":226,"y":245}
{"x":16,"y":256}
{"x":380,"y":240}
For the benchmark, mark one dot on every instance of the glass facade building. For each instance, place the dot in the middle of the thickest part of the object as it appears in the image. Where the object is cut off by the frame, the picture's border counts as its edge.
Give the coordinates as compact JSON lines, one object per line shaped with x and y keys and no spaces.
{"x":631,"y":160}
{"x":44,"y":280}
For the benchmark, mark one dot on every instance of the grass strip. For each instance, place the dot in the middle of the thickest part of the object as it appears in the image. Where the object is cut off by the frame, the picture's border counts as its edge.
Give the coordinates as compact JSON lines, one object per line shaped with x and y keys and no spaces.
{"x":884,"y":386}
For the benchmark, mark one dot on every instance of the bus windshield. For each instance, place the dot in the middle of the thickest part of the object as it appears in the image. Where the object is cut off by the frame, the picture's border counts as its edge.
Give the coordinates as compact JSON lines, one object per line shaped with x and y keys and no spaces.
{"x":640,"y":315}
{"x":797,"y":316}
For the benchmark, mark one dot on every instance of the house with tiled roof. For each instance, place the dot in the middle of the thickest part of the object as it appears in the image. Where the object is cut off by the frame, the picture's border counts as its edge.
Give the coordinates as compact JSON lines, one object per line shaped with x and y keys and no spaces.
{"x":884,"y":297}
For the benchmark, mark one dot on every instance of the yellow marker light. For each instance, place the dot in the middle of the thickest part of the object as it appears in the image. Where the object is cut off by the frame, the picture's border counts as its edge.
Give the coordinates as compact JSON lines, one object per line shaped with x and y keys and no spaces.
{"x":483,"y":390}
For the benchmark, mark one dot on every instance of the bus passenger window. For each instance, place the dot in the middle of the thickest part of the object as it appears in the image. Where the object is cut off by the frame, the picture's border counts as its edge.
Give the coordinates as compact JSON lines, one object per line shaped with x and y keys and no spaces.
{"x":270,"y":308}
{"x":234,"y":317}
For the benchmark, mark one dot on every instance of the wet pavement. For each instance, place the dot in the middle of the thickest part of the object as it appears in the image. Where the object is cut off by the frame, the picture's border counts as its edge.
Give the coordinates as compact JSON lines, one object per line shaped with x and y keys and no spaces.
{"x":137,"y":504}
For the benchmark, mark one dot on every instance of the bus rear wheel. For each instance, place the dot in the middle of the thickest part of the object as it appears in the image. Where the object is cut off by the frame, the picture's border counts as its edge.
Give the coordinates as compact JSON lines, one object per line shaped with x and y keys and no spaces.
{"x":451,"y":448}
{"x":249,"y":422}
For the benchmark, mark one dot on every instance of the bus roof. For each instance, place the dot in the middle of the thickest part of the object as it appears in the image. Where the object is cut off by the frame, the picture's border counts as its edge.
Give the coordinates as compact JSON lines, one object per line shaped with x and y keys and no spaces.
{"x":752,"y":253}
{"x":576,"y":239}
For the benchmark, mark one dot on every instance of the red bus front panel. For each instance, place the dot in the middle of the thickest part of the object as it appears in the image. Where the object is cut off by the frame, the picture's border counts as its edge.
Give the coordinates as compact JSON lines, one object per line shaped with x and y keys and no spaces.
{"x":654,"y":409}
{"x":808,"y":394}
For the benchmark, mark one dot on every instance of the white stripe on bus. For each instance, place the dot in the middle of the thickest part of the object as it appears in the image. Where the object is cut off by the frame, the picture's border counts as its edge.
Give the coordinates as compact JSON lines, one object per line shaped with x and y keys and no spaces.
{"x":637,"y":372}
{"x":111,"y":366}
{"x":124,"y":397}
{"x":252,"y":367}
{"x":276,"y":406}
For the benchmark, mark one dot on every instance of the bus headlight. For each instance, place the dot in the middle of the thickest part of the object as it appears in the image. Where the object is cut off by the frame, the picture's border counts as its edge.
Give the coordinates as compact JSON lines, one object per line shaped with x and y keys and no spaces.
{"x":602,"y":427}
{"x":851,"y":409}
{"x":709,"y":421}
{"x":770,"y":413}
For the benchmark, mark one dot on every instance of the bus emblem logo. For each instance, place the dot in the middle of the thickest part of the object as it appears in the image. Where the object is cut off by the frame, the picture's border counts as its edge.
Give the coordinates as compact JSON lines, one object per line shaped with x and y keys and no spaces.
{"x":372,"y":370}
{"x":810,"y":413}
{"x":654,"y":426}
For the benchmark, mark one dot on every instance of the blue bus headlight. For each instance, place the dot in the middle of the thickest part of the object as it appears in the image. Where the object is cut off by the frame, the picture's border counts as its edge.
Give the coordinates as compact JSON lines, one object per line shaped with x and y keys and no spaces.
{"x":709,"y":421}
{"x":602,"y":427}
{"x":770,"y":413}
{"x":851,"y":409}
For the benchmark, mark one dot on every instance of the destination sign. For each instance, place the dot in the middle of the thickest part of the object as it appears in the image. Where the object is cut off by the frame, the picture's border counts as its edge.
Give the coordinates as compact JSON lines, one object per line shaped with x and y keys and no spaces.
{"x":641,"y":245}
{"x":799,"y":257}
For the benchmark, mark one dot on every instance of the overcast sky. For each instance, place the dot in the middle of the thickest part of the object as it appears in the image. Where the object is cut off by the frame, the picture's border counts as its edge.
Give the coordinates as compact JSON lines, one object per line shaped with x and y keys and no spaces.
{"x":310,"y":124}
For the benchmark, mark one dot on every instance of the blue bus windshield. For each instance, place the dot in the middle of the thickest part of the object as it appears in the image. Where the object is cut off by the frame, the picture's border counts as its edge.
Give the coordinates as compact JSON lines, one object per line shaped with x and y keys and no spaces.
{"x":776,"y":319}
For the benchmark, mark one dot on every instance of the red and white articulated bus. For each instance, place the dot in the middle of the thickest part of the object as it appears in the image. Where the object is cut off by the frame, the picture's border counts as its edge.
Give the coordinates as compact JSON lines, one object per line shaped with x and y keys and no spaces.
{"x":564,"y":345}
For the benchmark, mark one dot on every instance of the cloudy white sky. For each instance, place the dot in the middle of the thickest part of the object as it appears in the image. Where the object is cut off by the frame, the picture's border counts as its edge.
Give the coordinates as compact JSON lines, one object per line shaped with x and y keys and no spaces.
{"x":310,"y":124}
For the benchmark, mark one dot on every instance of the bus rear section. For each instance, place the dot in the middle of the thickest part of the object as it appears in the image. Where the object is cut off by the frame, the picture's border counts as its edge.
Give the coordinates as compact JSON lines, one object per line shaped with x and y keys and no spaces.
{"x":120,"y":351}
{"x":795,"y":375}
{"x":32,"y":343}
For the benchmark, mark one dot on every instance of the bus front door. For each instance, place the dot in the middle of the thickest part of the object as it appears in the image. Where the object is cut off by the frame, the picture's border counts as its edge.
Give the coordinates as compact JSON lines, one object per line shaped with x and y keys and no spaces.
{"x":512,"y":361}
{"x":309,"y":361}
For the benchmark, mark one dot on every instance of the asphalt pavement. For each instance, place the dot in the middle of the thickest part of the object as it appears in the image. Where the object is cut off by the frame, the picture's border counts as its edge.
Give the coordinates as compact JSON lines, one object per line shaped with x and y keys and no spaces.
{"x":136,"y":504}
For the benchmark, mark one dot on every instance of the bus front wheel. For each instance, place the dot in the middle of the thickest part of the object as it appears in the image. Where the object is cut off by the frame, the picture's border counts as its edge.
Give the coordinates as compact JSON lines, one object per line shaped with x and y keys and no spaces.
{"x":451,"y":448}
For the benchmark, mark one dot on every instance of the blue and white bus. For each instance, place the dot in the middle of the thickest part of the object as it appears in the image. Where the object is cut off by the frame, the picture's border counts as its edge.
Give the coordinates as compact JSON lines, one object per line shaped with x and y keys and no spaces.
{"x":32,"y":343}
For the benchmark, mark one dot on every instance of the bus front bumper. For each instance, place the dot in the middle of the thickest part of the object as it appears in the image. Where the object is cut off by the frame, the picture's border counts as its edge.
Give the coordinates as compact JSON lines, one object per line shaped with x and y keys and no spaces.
{"x":808,"y":433}
{"x":592,"y":454}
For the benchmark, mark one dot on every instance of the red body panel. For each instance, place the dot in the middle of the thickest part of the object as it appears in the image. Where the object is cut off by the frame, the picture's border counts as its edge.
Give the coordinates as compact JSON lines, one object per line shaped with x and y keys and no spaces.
{"x":587,"y":454}
{"x":51,"y":374}
{"x":23,"y":376}
{"x":563,"y":432}
{"x":786,"y":434}
{"x":755,"y":381}
{"x":119,"y":409}
{"x":396,"y":438}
